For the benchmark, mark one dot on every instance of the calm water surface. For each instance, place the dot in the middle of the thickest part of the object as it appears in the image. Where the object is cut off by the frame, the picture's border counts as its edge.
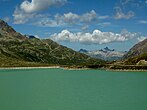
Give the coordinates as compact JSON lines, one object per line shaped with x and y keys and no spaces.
{"x":57,"y":89}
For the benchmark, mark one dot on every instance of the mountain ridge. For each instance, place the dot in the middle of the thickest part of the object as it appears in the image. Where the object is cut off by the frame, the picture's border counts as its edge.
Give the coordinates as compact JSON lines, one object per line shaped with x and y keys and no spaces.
{"x":104,"y":54}
{"x":137,"y":49}
{"x":15,"y":46}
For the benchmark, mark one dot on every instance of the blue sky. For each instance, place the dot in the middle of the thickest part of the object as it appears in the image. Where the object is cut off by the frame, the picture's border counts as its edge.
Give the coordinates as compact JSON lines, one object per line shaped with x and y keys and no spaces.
{"x":88,"y":24}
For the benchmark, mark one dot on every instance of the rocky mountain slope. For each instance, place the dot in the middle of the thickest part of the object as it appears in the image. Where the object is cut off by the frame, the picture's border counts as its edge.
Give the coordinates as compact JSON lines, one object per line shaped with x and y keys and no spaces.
{"x":104,"y":54}
{"x":138,"y":49}
{"x":135,"y":59}
{"x":136,"y":54}
{"x":21,"y":51}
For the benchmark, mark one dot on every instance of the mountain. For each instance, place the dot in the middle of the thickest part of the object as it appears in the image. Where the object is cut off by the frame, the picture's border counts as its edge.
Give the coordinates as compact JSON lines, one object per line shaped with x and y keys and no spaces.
{"x":31,"y":36}
{"x":135,"y":59}
{"x":104,"y":54}
{"x":107,"y":49}
{"x":136,"y":50}
{"x":7,"y":32}
{"x":83,"y":51}
{"x":136,"y":54}
{"x":19,"y":50}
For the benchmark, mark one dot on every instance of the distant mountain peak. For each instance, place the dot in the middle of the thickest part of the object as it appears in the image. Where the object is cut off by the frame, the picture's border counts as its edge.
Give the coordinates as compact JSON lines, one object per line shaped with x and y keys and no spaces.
{"x":83,"y":51}
{"x":104,"y":54}
{"x":30,"y":36}
{"x":107,"y":49}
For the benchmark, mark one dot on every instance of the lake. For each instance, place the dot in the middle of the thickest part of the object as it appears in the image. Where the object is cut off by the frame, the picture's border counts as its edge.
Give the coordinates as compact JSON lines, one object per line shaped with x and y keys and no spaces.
{"x":58,"y":89}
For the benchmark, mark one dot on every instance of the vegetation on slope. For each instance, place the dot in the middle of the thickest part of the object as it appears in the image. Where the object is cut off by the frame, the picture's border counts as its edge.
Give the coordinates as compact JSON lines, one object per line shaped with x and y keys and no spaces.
{"x":135,"y":60}
{"x":15,"y":47}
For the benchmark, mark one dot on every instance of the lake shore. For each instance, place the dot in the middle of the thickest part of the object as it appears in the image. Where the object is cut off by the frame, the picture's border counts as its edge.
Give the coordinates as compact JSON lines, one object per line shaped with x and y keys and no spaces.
{"x":72,"y":68}
{"x":43,"y":67}
{"x":127,"y":70}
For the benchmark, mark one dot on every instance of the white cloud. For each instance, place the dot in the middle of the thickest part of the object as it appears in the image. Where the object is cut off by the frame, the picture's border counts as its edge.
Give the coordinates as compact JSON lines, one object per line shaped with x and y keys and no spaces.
{"x":143,"y":21}
{"x":120,"y":15}
{"x":96,"y":37}
{"x":72,"y":19}
{"x":124,"y":9}
{"x":89,"y":17}
{"x":141,"y":38}
{"x":29,"y":10}
{"x":46,"y":22}
{"x":39,"y":5}
{"x":20,"y":17}
{"x":69,"y":18}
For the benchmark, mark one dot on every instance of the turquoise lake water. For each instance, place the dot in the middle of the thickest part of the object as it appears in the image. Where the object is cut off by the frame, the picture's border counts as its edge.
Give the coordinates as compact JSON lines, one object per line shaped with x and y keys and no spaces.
{"x":57,"y":89}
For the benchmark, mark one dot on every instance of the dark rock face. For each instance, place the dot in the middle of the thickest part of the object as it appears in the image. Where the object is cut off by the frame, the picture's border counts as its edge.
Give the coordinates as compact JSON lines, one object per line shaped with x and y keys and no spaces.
{"x":107,"y":49}
{"x":83,"y":51}
{"x":31,"y":37}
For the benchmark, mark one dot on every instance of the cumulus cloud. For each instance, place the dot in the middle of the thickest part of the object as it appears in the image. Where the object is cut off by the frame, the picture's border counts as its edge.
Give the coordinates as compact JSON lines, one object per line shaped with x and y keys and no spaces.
{"x":39,"y":5}
{"x":72,"y":18}
{"x":120,"y":15}
{"x":124,"y":9}
{"x":20,"y":17}
{"x":46,"y":22}
{"x":89,"y":17}
{"x":96,"y":37}
{"x":29,"y":10}
{"x":69,"y":18}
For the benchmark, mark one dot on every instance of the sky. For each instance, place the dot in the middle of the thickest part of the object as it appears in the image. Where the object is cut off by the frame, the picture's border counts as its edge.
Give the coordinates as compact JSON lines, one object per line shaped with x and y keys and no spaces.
{"x":86,"y":24}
